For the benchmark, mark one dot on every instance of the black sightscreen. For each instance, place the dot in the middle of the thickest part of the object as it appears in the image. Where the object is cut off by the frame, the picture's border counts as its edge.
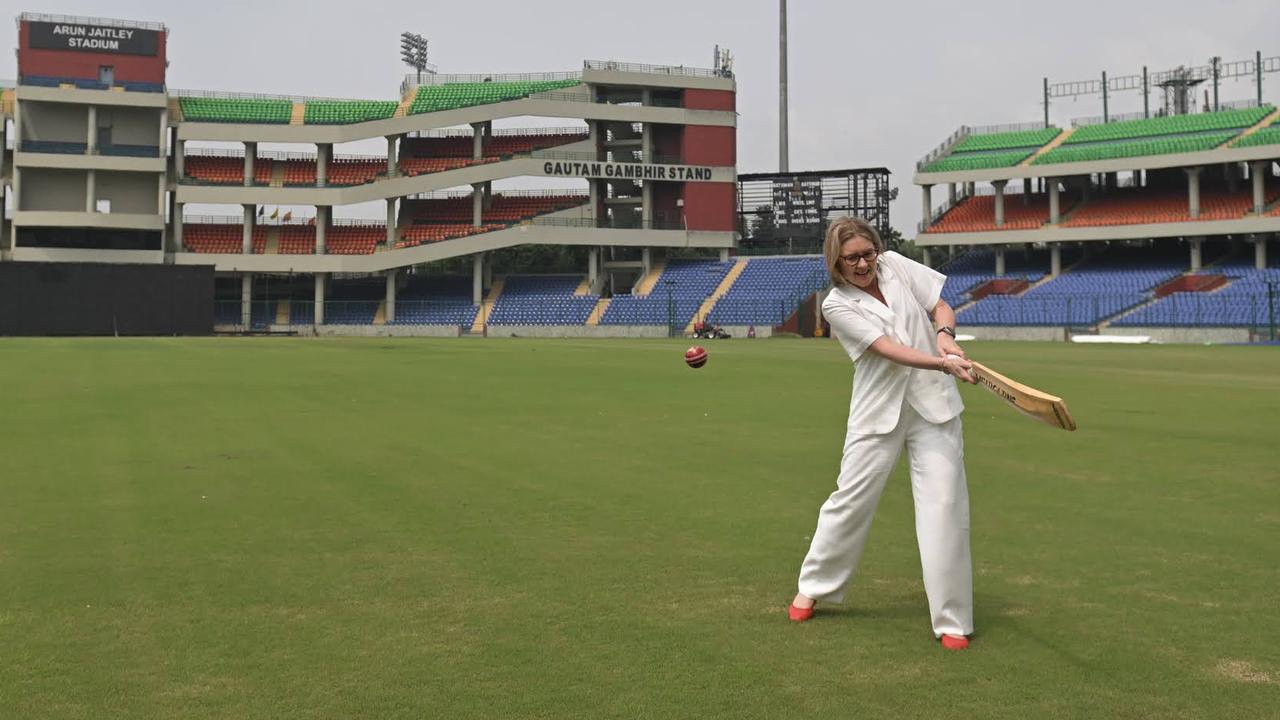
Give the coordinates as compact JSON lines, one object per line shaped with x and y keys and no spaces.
{"x":105,"y":299}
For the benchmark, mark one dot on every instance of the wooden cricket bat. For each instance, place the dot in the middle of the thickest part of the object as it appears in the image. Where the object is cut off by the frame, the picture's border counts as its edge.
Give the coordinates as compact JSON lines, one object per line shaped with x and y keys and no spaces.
{"x":1046,"y":408}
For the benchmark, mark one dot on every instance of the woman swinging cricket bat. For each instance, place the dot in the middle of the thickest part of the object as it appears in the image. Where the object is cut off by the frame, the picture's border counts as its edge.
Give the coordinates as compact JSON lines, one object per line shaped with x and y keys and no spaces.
{"x":903,"y":395}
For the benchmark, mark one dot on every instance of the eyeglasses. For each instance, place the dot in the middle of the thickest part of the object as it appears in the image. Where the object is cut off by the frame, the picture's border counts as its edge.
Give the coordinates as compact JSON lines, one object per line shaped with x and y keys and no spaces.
{"x":852,"y":260}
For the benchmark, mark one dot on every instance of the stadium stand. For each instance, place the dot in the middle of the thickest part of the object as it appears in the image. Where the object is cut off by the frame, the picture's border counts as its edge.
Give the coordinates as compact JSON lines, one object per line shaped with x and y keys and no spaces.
{"x":1194,"y":142}
{"x":768,"y":290}
{"x":542,"y":300}
{"x":688,"y":282}
{"x":235,"y":110}
{"x":1134,"y":206}
{"x":1244,"y":301}
{"x":1007,"y":140}
{"x":354,"y":239}
{"x":450,"y":96}
{"x":1172,"y":125}
{"x":980,"y":160}
{"x":224,"y":170}
{"x":421,"y":234}
{"x":435,"y":300}
{"x":978,"y":213}
{"x":355,"y":171}
{"x":221,"y":238}
{"x":353,"y":302}
{"x":297,"y":240}
{"x":341,"y":112}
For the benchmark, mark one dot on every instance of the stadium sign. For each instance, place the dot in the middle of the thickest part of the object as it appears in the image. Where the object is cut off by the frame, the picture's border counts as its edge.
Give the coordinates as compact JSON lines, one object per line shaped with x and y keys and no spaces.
{"x":93,"y":38}
{"x":629,"y":171}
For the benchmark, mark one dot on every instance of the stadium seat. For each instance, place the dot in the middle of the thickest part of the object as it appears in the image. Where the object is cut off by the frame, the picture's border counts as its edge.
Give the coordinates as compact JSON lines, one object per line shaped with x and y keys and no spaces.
{"x":450,"y":96}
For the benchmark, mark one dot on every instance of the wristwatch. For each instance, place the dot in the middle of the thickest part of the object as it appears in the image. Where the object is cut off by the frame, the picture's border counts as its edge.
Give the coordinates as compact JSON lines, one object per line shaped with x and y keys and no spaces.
{"x":947,"y":330}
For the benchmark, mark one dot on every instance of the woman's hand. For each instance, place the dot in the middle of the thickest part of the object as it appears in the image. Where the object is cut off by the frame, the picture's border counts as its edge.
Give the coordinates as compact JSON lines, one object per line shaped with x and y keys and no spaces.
{"x":948,"y":346}
{"x":958,"y":367}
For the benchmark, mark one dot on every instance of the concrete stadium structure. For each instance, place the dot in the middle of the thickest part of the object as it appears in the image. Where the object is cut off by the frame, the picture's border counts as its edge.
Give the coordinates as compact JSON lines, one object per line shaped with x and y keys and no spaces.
{"x":107,"y":159}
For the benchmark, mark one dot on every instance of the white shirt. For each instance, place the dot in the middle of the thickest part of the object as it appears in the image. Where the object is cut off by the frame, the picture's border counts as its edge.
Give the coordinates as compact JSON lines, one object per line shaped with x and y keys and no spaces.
{"x":879,"y":384}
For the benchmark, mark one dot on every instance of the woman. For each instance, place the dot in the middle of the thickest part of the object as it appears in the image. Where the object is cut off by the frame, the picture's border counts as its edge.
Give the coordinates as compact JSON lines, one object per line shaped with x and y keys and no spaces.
{"x":880,"y":311}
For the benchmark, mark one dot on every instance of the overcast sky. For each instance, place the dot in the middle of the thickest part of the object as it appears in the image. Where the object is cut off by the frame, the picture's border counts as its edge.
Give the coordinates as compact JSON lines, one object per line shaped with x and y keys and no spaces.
{"x":871,"y":84}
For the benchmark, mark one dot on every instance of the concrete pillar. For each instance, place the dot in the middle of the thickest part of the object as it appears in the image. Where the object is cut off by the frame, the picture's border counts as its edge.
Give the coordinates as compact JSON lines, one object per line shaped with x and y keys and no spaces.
{"x":91,"y":191}
{"x":594,"y":193}
{"x":646,"y":259}
{"x":999,"y":260}
{"x":1026,"y":191}
{"x":392,"y":159}
{"x":391,"y":294}
{"x":999,"y":186}
{"x":1055,"y":259}
{"x":477,"y":204}
{"x":593,"y":265}
{"x":1055,"y":202}
{"x":926,"y":205}
{"x":646,"y":203}
{"x":488,"y":194}
{"x":1257,"y":174}
{"x":477,"y":140}
{"x":646,"y":139}
{"x":177,"y":226}
{"x":1260,"y":252}
{"x":246,"y":238}
{"x":969,"y":189}
{"x":92,"y":138}
{"x":246,"y":299}
{"x":1193,"y":191}
{"x":925,"y":252}
{"x":162,"y":145}
{"x":391,"y":223}
{"x":324,"y":156}
{"x":724,"y":255}
{"x":323,"y":218}
{"x":250,"y":155}
{"x":1196,"y":257}
{"x":477,"y":275}
{"x":180,"y":158}
{"x":951,"y":193}
{"x":321,"y":286}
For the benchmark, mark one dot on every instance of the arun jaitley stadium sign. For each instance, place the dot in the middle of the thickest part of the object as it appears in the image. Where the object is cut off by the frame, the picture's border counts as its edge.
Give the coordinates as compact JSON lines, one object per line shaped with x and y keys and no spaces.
{"x":93,"y":38}
{"x":629,"y":171}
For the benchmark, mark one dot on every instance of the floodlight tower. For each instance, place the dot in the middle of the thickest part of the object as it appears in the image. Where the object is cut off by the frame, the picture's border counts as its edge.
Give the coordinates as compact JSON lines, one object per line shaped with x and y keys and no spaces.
{"x":413,"y":51}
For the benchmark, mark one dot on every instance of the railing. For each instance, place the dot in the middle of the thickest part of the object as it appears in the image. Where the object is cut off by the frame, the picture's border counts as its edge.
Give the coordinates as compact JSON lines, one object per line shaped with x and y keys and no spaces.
{"x":1007,"y":127}
{"x":1099,"y":120}
{"x":502,"y":132}
{"x":454,"y":194}
{"x":140,"y":151}
{"x":604,"y":224}
{"x":280,"y":155}
{"x":264,"y":221}
{"x":90,"y":84}
{"x":942,"y":148}
{"x":80,"y":20}
{"x":50,"y":146}
{"x":615,"y":66}
{"x":440,"y":79}
{"x":230,"y":95}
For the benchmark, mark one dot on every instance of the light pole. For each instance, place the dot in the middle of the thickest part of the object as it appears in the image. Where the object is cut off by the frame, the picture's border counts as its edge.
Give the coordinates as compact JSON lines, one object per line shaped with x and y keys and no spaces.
{"x":413,"y":51}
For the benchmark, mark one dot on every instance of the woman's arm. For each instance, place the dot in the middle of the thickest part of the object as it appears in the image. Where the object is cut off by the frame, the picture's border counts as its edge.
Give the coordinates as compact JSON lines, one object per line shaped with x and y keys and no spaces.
{"x":945,"y":317}
{"x":909,"y":356}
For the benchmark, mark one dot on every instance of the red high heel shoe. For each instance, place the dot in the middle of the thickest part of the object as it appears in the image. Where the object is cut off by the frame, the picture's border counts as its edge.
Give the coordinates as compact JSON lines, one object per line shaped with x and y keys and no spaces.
{"x":800,"y":614}
{"x":955,"y":642}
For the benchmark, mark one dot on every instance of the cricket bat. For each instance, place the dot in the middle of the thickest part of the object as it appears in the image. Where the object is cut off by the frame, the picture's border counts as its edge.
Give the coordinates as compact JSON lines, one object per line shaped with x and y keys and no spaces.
{"x":1042,"y":406}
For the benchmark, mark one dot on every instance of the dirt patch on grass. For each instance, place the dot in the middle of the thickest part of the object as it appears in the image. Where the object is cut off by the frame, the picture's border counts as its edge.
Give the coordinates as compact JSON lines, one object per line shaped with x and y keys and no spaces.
{"x":1243,"y":671}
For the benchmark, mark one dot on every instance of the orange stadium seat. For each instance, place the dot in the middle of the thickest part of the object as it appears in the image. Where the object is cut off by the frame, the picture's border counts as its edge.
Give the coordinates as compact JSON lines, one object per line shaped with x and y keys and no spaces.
{"x":354,"y":239}
{"x":1138,"y":206}
{"x":978,"y":214}
{"x":297,"y":240}
{"x":221,"y":238}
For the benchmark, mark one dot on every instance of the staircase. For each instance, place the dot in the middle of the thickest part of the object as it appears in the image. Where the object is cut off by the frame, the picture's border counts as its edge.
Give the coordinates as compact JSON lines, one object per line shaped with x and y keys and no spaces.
{"x":380,"y":317}
{"x":645,"y":285}
{"x":1062,"y":137}
{"x":299,"y":114}
{"x":584,"y":287}
{"x":729,"y":278}
{"x":598,"y":311}
{"x":486,"y":307}
{"x":1264,"y":122}
{"x":405,"y":102}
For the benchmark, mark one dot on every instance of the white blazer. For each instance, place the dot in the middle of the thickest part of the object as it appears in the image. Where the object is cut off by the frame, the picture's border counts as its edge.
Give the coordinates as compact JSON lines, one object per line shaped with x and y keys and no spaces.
{"x":879,"y":385}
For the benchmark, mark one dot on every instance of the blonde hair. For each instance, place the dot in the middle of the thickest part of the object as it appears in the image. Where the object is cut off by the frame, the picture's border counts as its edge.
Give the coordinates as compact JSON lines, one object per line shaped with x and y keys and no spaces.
{"x":840,"y":231}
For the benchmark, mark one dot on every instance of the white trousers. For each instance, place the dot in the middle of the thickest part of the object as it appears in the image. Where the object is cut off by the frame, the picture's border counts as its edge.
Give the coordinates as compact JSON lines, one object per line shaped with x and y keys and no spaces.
{"x":942,"y":517}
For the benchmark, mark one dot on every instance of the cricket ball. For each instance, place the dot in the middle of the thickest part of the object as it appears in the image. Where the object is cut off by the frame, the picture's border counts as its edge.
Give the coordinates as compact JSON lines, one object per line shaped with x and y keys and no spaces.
{"x":695,"y":356}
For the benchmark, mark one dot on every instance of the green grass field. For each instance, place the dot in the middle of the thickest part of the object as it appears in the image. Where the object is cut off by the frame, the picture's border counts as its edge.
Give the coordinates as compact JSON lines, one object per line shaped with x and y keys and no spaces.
{"x":290,"y":528}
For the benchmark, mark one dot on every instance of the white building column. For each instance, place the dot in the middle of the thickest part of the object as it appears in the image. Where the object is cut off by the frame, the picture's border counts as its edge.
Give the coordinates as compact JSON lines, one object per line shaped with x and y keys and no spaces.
{"x":1257,"y":174}
{"x":646,"y":260}
{"x":477,"y":204}
{"x":392,"y":274}
{"x":925,"y":253}
{"x":724,"y":255}
{"x":324,"y":156}
{"x":1196,"y":257}
{"x":646,"y":204}
{"x":321,"y":288}
{"x":250,"y":155}
{"x":477,"y":276}
{"x":999,"y":260}
{"x":91,"y":138}
{"x":593,"y":265}
{"x":246,"y":239}
{"x":1260,"y":252}
{"x":246,"y":299}
{"x":323,"y":213}
{"x":180,"y":158}
{"x":392,"y":159}
{"x":999,"y":186}
{"x":91,"y":191}
{"x":1055,"y":259}
{"x":1193,"y":191}
{"x":391,"y":223}
{"x":926,"y":206}
{"x":477,"y":140}
{"x":177,"y":227}
{"x":1055,"y":202}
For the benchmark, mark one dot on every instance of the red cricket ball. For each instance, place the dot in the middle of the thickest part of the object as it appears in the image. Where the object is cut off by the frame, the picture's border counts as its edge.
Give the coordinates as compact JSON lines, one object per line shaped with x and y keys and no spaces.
{"x":696,"y":356}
